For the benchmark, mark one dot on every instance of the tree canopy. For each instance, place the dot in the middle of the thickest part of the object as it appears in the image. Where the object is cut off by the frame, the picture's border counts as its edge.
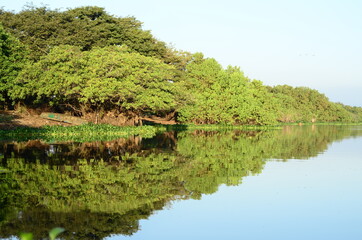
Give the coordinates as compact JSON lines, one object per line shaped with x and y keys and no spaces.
{"x":99,"y":79}
{"x":302,"y":104}
{"x":224,"y":95}
{"x":41,"y":29}
{"x":12,"y":59}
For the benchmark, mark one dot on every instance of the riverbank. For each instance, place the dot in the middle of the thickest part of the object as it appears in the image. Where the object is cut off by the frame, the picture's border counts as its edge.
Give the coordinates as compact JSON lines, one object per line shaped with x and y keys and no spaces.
{"x":14,"y":119}
{"x":11,"y":120}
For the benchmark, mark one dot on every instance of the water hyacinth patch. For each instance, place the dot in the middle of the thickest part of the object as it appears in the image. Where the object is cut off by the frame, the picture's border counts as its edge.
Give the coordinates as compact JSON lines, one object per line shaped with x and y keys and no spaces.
{"x":81,"y":133}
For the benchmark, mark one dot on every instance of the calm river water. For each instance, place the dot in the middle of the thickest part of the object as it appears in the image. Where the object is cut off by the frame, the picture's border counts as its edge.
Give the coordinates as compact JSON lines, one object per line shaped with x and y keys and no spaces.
{"x":293,"y":183}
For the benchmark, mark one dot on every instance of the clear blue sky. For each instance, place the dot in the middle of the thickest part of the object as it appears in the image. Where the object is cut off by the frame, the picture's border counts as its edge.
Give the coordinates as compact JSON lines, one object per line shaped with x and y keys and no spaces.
{"x":312,"y":43}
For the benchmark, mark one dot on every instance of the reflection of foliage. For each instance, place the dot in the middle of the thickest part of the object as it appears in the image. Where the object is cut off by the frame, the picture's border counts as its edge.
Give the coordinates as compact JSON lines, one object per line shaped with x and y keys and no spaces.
{"x":107,"y":187}
{"x":307,"y":141}
{"x":69,"y":153}
{"x":53,"y":233}
{"x":79,"y":225}
{"x":219,"y":158}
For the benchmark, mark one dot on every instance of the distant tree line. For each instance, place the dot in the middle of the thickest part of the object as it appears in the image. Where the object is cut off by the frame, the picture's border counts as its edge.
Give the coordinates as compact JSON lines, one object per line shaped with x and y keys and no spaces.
{"x":89,"y":63}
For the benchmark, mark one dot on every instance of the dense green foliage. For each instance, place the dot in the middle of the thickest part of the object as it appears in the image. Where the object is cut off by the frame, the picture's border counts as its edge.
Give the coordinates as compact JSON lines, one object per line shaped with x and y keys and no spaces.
{"x":101,"y":79}
{"x":89,"y":132}
{"x":12,"y":59}
{"x":102,"y":188}
{"x":88,"y":63}
{"x":53,"y":233}
{"x":41,"y":29}
{"x":224,"y":96}
{"x":302,"y":104}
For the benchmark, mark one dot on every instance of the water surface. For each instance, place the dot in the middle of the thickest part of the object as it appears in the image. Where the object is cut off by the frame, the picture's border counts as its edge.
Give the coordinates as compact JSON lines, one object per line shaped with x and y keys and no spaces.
{"x":294,"y":183}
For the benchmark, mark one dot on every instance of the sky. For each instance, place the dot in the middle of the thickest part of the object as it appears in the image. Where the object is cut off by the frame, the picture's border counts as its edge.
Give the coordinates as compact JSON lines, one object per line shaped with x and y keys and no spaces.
{"x":311,"y":43}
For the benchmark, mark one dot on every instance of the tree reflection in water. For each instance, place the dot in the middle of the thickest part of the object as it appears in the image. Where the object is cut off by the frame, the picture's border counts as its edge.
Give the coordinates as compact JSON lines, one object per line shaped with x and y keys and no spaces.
{"x":97,"y":189}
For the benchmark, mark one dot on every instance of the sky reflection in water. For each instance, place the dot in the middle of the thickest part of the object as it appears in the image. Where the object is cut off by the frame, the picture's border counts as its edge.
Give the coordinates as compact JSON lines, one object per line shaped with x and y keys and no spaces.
{"x":315,"y":199}
{"x":297,"y":183}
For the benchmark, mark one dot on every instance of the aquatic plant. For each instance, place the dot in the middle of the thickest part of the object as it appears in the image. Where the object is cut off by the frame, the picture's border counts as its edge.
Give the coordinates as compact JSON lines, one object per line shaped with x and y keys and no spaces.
{"x":81,"y":133}
{"x":52,"y":234}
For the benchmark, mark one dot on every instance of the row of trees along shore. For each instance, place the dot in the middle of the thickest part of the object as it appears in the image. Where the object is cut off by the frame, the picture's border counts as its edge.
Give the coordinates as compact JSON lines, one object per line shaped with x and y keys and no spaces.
{"x":89,"y":63}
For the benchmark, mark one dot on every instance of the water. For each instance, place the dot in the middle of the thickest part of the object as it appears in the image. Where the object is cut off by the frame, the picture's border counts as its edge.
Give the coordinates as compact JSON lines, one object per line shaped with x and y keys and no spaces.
{"x":294,"y":183}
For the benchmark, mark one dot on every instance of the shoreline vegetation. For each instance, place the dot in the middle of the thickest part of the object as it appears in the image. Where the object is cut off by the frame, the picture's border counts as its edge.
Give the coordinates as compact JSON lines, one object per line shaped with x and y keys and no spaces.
{"x":81,"y":133}
{"x":86,"y":63}
{"x":106,"y":132}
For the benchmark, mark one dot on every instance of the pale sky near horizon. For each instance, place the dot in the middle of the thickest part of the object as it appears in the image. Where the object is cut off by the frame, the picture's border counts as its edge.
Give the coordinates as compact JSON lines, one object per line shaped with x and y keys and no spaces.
{"x":312,"y":43}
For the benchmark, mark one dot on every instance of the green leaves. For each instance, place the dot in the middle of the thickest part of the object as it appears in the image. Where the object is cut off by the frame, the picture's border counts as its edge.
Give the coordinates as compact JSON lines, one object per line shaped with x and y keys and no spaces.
{"x":302,"y":104}
{"x":102,"y":78}
{"x":55,"y":232}
{"x":26,"y":236}
{"x":52,"y":234}
{"x":81,"y":133}
{"x":224,"y":96}
{"x":42,"y":29}
{"x":12,"y":59}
